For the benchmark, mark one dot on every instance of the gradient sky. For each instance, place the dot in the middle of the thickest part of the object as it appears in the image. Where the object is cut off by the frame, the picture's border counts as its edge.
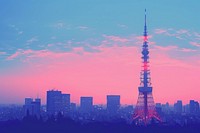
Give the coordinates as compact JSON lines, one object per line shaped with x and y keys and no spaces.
{"x":93,"y":48}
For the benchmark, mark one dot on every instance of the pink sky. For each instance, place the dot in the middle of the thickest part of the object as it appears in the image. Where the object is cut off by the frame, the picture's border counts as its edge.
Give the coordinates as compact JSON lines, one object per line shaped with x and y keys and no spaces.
{"x":114,"y":70}
{"x":94,"y":49}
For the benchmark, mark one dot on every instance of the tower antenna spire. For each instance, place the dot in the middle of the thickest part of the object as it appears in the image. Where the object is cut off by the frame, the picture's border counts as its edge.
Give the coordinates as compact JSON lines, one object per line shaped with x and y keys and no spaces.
{"x":145,"y":12}
{"x":145,"y":23}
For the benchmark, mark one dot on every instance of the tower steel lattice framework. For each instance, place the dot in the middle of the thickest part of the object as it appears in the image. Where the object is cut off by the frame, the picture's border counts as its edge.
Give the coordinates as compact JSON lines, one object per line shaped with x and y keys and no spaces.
{"x":145,"y":108}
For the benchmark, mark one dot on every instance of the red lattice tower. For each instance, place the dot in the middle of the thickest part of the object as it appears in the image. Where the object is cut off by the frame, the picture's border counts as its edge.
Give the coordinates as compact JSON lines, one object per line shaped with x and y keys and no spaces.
{"x":145,"y":109}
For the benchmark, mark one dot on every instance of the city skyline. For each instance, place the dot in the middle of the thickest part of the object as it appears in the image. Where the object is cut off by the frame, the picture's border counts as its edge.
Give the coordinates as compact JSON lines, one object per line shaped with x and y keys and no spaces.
{"x":94,"y":52}
{"x":78,"y":103}
{"x":101,"y":104}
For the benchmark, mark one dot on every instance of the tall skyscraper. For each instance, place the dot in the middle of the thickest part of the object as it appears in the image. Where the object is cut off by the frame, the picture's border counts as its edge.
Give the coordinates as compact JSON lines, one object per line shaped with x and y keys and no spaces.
{"x":66,"y":103}
{"x":28,"y":106}
{"x":166,"y":108}
{"x":37,"y":106}
{"x":145,"y":107}
{"x":32,"y":107}
{"x":54,"y":101}
{"x":57,"y":102}
{"x":178,"y":107}
{"x":28,"y":101}
{"x":113,"y":103}
{"x":86,"y":104}
{"x":194,"y":107}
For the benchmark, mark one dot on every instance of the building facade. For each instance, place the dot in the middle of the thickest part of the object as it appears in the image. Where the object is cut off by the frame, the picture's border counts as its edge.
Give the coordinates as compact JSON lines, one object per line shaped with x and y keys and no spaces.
{"x":86,"y":104}
{"x":57,"y":102}
{"x":113,"y":103}
{"x":32,"y":107}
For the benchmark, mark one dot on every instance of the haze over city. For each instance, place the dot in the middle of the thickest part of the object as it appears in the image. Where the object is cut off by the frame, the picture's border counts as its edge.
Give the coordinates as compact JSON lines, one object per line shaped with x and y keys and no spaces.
{"x":93,"y":48}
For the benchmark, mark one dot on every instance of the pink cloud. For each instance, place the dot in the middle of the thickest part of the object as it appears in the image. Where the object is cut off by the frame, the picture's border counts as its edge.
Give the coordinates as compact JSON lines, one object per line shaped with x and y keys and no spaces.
{"x":187,"y":50}
{"x":179,"y":34}
{"x":78,"y":50}
{"x":50,"y":45}
{"x":13,"y":56}
{"x":182,"y":31}
{"x":160,"y":31}
{"x":131,"y":40}
{"x":2,"y":53}
{"x":116,"y":38}
{"x":195,"y":44}
{"x":197,"y":35}
{"x":31,"y":54}
{"x":165,"y":48}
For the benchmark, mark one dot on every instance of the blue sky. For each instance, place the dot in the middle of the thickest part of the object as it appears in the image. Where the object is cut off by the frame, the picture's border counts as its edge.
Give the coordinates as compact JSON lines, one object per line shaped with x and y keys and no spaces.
{"x":28,"y":27}
{"x":23,"y":20}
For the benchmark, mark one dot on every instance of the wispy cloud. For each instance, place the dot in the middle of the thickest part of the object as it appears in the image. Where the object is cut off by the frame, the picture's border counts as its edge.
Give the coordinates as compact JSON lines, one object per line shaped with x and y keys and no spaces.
{"x":187,"y":50}
{"x":179,"y":34}
{"x":83,"y":27}
{"x":2,"y":53}
{"x":186,"y":38}
{"x":53,"y":37}
{"x":182,"y":31}
{"x":131,"y":40}
{"x":172,"y":48}
{"x":116,"y":38}
{"x":61,"y":25}
{"x":35,"y":54}
{"x":33,"y":39}
{"x":160,"y":31}
{"x":94,"y":45}
{"x":195,"y":44}
{"x":165,"y":48}
{"x":13,"y":56}
{"x":20,"y":32}
{"x":123,"y":26}
{"x":197,"y":35}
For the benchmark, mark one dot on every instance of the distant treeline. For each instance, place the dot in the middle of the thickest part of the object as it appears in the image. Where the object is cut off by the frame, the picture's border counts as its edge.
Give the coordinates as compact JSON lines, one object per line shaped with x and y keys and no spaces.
{"x":31,"y":124}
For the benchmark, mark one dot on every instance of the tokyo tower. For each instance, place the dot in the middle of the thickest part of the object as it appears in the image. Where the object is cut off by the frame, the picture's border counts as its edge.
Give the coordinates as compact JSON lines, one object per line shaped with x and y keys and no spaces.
{"x":145,"y":108}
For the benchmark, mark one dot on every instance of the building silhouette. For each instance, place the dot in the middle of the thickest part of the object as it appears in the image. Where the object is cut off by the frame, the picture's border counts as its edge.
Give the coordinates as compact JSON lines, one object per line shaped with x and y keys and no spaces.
{"x":178,"y":107}
{"x":194,"y":107}
{"x":113,"y":103}
{"x":66,"y":103}
{"x":166,"y":108}
{"x":86,"y":104}
{"x":57,"y":102}
{"x":32,"y":107}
